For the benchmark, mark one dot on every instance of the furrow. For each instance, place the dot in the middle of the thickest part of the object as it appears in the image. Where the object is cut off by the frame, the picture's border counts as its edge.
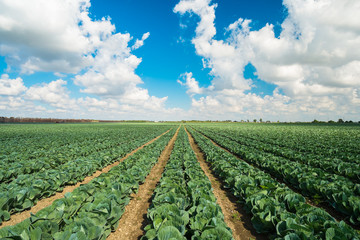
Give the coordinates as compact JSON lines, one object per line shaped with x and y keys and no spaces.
{"x":130,"y":224}
{"x":234,"y":215}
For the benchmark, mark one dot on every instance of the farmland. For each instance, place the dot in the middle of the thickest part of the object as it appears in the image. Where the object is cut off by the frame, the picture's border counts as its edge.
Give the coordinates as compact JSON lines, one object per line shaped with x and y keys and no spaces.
{"x":172,"y":181}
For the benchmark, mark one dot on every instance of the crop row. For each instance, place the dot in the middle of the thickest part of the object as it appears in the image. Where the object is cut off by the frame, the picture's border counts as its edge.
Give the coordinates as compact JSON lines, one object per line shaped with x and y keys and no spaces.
{"x":337,"y":142}
{"x":27,"y":189}
{"x":51,"y":156}
{"x":275,"y":208}
{"x":92,"y":210}
{"x":25,"y":142}
{"x":328,"y":164}
{"x":184,"y":206}
{"x":338,"y":191}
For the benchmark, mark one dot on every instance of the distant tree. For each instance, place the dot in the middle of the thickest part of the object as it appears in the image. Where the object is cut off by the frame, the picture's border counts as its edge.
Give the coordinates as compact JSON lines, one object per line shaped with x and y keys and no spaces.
{"x":254,"y":120}
{"x":260,"y":120}
{"x":340,"y":120}
{"x":248,"y":120}
{"x":331,"y":121}
{"x":315,"y":121}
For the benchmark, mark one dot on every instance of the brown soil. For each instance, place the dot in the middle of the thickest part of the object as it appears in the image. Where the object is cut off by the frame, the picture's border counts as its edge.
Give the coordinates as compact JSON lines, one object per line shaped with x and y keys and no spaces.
{"x":43,"y":203}
{"x":134,"y":219}
{"x":324,"y":205}
{"x":234,"y":215}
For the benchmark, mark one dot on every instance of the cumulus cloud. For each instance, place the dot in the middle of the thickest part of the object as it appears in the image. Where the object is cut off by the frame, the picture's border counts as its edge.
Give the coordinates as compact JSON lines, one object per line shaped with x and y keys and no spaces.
{"x":44,"y":35}
{"x":113,"y":68}
{"x":314,"y":61}
{"x":11,"y":87}
{"x":316,"y":51}
{"x":54,"y":93}
{"x":221,"y":57}
{"x":112,"y":75}
{"x":59,"y":36}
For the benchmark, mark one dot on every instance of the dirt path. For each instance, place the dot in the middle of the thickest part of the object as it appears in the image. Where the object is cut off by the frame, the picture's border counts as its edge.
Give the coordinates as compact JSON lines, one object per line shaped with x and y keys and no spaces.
{"x":43,"y":203}
{"x":235,"y":217}
{"x":134,"y":218}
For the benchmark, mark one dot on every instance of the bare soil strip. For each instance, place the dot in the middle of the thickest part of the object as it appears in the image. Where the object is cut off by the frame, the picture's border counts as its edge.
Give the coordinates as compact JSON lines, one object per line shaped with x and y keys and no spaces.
{"x":43,"y":203}
{"x":235,"y":216}
{"x":324,"y":205}
{"x":134,"y":219}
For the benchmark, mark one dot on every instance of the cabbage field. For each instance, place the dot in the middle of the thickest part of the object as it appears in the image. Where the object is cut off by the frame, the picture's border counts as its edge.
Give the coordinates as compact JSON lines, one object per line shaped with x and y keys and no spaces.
{"x":75,"y":181}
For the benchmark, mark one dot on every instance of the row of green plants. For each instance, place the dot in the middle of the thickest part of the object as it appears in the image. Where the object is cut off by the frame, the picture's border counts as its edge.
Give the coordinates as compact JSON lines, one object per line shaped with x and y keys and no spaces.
{"x":24,"y":192}
{"x":31,"y":141}
{"x":335,"y":142}
{"x":183,"y":205}
{"x":25,"y":157}
{"x":94,"y":209}
{"x":51,"y":159}
{"x":341,"y":193}
{"x":276,"y":210}
{"x":329,"y":164}
{"x":18,"y":150}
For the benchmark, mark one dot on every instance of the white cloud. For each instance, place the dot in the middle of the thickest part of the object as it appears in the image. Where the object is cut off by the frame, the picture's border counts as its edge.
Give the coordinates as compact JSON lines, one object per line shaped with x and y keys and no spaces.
{"x":59,"y":36}
{"x":45,"y":35}
{"x":11,"y":87}
{"x":140,"y":43}
{"x":221,"y":57}
{"x":314,"y":61}
{"x":190,"y":83}
{"x":112,"y":75}
{"x":113,"y":68}
{"x":54,"y":93}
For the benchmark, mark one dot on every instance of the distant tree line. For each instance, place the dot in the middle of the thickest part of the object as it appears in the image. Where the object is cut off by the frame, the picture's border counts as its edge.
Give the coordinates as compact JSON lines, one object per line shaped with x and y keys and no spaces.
{"x":331,"y":121}
{"x":43,"y":120}
{"x":267,"y":121}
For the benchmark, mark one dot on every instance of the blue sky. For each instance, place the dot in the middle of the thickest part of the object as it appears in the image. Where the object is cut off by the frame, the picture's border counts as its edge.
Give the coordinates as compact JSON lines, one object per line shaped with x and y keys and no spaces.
{"x":198,"y":59}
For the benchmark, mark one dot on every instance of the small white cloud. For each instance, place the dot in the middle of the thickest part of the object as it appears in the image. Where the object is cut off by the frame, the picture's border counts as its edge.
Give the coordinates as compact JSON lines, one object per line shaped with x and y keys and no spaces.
{"x":140,"y":43}
{"x":190,"y":83}
{"x":60,"y":75}
{"x":180,"y":40}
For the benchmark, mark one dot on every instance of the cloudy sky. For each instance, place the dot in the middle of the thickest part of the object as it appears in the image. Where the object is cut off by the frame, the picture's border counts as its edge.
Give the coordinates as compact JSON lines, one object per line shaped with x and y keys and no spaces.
{"x":180,"y":59}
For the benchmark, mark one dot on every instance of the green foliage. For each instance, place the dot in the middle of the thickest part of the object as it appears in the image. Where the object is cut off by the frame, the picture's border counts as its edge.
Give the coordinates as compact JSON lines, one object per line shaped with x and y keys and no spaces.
{"x":276,"y":209}
{"x":183,"y":201}
{"x":92,"y":210}
{"x":302,"y":171}
{"x":63,"y":156}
